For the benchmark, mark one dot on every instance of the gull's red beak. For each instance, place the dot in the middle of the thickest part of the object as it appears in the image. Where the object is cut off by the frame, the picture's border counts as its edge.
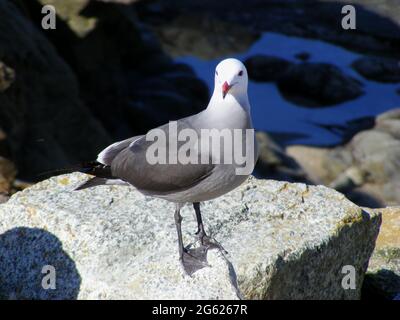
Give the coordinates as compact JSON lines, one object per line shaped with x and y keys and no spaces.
{"x":225,"y":89}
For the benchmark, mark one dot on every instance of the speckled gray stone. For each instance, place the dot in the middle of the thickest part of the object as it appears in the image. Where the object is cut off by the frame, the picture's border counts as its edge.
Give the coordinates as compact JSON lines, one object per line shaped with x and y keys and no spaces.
{"x":285,"y":241}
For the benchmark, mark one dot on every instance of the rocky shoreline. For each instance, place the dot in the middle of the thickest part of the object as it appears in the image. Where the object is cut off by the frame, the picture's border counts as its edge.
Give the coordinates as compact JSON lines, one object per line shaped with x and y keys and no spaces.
{"x":303,"y":18}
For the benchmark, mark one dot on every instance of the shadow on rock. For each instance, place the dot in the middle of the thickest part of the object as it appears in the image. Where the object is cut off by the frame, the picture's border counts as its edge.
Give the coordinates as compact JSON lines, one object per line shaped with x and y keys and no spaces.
{"x":24,"y":253}
{"x":382,"y":285}
{"x":363,"y":199}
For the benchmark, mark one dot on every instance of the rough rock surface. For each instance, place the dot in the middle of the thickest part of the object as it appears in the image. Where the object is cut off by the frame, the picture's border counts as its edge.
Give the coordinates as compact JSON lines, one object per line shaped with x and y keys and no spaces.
{"x":285,"y":241}
{"x":383,"y":275}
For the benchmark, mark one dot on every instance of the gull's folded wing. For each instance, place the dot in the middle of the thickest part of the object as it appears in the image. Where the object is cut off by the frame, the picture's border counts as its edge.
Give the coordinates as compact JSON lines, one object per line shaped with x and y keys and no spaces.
{"x":133,"y":166}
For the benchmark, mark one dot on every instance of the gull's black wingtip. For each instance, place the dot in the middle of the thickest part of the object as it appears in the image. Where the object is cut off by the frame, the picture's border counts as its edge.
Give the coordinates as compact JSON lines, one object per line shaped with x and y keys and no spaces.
{"x":93,"y":182}
{"x":94,"y":168}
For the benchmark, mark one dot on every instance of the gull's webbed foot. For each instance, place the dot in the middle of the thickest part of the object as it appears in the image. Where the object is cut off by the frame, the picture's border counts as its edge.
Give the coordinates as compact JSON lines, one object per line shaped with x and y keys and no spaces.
{"x":194,"y":259}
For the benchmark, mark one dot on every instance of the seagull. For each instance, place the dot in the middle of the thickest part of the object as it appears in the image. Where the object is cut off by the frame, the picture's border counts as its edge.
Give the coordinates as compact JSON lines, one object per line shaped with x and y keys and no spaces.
{"x":127,"y":162}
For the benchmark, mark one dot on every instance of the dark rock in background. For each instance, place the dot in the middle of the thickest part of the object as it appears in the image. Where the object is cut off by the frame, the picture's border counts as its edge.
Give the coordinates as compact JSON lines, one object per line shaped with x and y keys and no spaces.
{"x":122,"y":70}
{"x":266,"y":68}
{"x":378,"y":69}
{"x":303,"y":56}
{"x":347,"y":130}
{"x":120,"y":1}
{"x":305,"y":84}
{"x":318,"y":85}
{"x":100,"y":76}
{"x":41,"y":113}
{"x":200,"y":35}
{"x":303,"y":18}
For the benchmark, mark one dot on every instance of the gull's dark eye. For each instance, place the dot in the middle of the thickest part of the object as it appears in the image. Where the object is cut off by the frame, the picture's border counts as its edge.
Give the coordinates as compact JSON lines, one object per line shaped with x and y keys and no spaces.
{"x":216,"y":72}
{"x":241,"y":73}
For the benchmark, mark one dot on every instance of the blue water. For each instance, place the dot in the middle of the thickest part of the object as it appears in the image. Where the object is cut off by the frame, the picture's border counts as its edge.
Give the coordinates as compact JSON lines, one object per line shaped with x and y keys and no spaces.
{"x":272,"y":113}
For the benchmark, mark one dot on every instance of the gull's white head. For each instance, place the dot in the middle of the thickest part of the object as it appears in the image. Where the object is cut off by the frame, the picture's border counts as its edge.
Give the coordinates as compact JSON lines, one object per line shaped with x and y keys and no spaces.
{"x":230,"y":78}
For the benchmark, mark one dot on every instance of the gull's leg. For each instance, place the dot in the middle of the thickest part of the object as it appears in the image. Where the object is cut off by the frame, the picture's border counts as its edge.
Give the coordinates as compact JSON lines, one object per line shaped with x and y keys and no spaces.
{"x":178,"y":221}
{"x":191,"y":259}
{"x":205,"y":240}
{"x":200,"y":227}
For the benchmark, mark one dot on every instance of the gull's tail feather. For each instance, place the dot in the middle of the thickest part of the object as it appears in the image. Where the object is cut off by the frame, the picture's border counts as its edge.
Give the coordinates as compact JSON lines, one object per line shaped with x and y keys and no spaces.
{"x":93,"y":167}
{"x":102,"y":174}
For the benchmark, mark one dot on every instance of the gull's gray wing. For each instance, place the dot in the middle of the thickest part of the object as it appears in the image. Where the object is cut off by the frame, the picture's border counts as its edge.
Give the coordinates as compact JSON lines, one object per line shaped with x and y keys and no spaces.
{"x":108,"y":154}
{"x":131,"y":165}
